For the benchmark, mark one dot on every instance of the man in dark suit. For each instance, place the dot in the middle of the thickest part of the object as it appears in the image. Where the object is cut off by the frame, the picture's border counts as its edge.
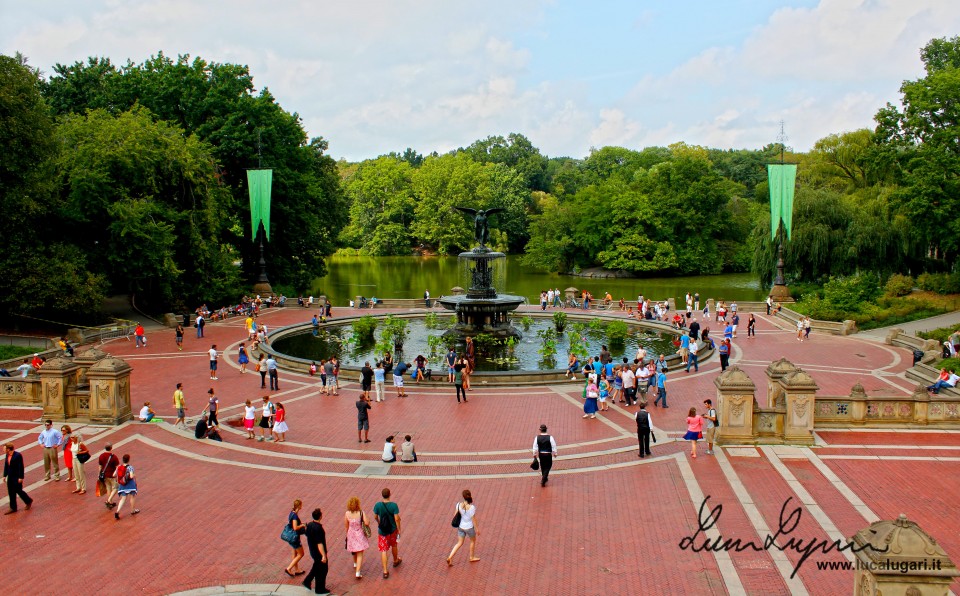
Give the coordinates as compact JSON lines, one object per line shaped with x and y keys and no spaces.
{"x":317,"y":543}
{"x":13,"y":476}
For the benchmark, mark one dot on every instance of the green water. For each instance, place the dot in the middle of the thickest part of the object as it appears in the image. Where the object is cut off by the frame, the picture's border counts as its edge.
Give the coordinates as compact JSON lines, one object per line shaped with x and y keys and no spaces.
{"x":408,"y":277}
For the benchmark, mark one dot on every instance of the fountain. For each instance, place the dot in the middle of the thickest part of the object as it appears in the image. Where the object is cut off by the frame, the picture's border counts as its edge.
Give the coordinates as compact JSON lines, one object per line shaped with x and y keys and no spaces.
{"x":481,"y":309}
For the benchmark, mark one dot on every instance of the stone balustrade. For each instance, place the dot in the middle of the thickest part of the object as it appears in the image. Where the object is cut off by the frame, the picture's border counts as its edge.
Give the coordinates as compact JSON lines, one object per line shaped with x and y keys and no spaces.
{"x":831,"y":327}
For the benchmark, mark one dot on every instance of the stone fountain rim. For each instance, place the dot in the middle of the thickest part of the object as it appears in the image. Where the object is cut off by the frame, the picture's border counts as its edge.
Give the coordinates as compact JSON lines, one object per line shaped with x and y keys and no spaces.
{"x":547,"y":377}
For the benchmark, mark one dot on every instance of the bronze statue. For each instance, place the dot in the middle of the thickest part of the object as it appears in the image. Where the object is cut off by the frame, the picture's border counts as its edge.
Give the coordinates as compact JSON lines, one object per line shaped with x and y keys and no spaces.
{"x":481,"y":230}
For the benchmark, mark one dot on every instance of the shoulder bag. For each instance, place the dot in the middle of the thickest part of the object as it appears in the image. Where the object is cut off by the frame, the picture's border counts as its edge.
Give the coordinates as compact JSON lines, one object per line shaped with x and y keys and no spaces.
{"x":535,"y":464}
{"x":83,"y":456}
{"x":456,"y":518}
{"x":366,"y":527}
{"x":288,"y":535}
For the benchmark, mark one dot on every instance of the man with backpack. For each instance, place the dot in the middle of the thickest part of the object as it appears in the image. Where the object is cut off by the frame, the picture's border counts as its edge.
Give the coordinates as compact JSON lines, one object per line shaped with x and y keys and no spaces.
{"x":108,"y":474}
{"x":387,"y":514}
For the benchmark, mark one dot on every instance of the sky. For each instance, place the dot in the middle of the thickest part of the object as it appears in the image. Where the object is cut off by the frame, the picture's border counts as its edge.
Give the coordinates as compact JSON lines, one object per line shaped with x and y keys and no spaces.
{"x":375,"y":76}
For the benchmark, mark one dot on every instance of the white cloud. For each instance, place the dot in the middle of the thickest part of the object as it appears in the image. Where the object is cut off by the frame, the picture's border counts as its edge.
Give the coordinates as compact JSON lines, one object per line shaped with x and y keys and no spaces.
{"x":381,"y":75}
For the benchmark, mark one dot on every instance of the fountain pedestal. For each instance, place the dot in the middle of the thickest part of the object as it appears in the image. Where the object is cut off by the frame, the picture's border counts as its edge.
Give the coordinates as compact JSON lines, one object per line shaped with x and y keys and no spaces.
{"x":481,"y":309}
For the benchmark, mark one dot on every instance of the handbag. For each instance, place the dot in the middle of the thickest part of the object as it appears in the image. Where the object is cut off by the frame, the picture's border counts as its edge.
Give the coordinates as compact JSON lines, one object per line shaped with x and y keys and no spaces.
{"x":456,"y":518}
{"x":653,"y":436}
{"x":288,"y":535}
{"x":83,"y":457}
{"x":366,"y":527}
{"x":535,"y":464}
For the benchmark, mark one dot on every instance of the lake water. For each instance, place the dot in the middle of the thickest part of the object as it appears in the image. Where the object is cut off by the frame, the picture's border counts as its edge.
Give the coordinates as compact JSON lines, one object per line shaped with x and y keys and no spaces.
{"x":408,"y":277}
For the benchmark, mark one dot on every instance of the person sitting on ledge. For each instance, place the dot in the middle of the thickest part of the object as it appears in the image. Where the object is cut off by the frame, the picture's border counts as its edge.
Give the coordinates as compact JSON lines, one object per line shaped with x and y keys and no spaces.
{"x":573,"y":367}
{"x":146,"y":412}
{"x":389,"y":451}
{"x":947,"y":379}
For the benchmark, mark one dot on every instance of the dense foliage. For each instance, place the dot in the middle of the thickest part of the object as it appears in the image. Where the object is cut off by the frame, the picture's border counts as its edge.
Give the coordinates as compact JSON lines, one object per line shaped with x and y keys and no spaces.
{"x":132,"y":179}
{"x":138,"y":175}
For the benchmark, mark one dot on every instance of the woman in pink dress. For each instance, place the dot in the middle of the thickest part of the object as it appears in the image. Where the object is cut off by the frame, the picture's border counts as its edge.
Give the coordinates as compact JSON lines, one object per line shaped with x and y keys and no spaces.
{"x":357,"y":542}
{"x":694,"y":427}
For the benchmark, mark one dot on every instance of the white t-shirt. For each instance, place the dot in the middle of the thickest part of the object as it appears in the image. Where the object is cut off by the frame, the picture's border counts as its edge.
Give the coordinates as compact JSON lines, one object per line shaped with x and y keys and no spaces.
{"x":249,"y":412}
{"x":629,"y":379}
{"x":267,"y":407}
{"x":952,"y":381}
{"x":387,"y":451}
{"x":694,"y":348}
{"x":213,"y":354}
{"x":466,"y":515}
{"x":144,"y":412}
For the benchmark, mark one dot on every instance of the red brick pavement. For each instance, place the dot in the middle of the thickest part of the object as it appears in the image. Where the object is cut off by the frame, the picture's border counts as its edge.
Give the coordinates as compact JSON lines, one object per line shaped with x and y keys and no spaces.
{"x":607,"y":523}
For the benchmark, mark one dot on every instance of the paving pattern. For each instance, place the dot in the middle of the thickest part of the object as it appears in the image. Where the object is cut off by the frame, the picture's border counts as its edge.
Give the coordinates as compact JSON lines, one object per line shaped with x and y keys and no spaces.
{"x":608,"y":522}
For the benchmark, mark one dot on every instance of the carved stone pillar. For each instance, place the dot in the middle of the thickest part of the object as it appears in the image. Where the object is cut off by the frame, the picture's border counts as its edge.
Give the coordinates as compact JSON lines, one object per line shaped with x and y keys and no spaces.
{"x":897,"y":558}
{"x":858,"y":404}
{"x":58,"y":378}
{"x":110,"y":391}
{"x":85,"y":360}
{"x":735,"y":402}
{"x":800,"y":393}
{"x":571,"y":293}
{"x":776,"y":370}
{"x":921,"y":407}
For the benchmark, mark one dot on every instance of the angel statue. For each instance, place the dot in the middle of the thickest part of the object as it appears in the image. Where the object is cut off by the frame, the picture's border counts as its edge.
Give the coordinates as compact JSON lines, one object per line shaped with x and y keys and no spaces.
{"x":481,"y":231}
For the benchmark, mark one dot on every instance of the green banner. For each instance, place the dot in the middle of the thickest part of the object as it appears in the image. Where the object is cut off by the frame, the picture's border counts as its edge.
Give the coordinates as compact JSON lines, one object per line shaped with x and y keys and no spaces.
{"x":259,"y":183}
{"x":782,"y":179}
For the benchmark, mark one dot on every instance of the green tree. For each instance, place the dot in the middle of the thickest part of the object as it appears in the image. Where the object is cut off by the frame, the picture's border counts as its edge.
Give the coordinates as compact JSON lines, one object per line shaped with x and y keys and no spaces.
{"x":925,"y":137}
{"x":517,"y":152}
{"x":381,"y":199}
{"x":216,"y":102}
{"x":144,"y":202}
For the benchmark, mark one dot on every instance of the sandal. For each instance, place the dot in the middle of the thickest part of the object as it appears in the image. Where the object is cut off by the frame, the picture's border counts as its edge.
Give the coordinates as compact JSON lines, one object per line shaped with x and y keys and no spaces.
{"x":301,"y":572}
{"x":135,"y":511}
{"x":397,"y":562}
{"x":449,"y":564}
{"x":287,"y":571}
{"x":386,"y":574}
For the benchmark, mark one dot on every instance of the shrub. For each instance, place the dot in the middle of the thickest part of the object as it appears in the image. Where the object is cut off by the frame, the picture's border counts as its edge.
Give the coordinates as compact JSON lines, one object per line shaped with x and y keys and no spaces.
{"x":525,"y":322}
{"x":560,"y":321}
{"x":597,"y":324}
{"x":941,"y":283}
{"x":548,"y":345}
{"x":617,"y":332}
{"x":851,"y":293}
{"x":940,"y":334}
{"x":364,"y":327}
{"x":431,"y":320}
{"x":950,"y":364}
{"x":899,"y":285}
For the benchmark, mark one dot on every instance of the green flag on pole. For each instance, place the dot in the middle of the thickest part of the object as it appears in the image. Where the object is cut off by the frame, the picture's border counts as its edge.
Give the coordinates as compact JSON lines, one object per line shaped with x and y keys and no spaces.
{"x":259,"y":183}
{"x":782,"y":179}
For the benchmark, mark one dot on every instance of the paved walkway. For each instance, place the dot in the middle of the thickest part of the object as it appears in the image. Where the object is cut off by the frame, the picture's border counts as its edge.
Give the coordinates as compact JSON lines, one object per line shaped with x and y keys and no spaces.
{"x":608,"y":521}
{"x":950,"y":319}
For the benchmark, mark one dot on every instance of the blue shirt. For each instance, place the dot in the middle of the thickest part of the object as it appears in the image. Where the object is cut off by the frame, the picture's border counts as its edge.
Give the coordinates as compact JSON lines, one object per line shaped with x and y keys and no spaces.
{"x":728,"y":331}
{"x":400,"y":369}
{"x":378,"y":375}
{"x":50,"y":437}
{"x":608,"y":369}
{"x":661,"y":380}
{"x":685,"y":341}
{"x":451,"y":358}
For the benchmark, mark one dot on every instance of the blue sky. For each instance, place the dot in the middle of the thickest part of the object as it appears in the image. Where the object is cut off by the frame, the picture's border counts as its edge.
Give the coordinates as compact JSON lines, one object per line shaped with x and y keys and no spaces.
{"x":381,"y":75}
